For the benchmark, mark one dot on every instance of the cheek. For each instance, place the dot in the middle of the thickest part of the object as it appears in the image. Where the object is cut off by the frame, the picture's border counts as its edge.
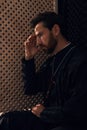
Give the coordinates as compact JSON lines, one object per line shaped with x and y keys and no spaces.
{"x":44,"y":37}
{"x":44,"y":40}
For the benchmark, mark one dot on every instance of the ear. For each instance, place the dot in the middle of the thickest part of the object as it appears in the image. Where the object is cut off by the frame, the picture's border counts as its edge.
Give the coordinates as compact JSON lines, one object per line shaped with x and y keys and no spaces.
{"x":56,"y":30}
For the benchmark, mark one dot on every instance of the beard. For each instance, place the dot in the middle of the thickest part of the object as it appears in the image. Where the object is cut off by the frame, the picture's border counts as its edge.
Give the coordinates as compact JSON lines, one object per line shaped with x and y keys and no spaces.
{"x":52,"y":43}
{"x":51,"y":46}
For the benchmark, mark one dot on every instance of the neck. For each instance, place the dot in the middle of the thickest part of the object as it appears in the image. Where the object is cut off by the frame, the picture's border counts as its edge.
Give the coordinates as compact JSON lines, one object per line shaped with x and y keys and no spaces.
{"x":61,"y":44}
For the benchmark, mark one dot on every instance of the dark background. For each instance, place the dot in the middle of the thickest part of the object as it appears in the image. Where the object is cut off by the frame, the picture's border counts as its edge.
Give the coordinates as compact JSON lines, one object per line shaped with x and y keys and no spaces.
{"x":75,"y":19}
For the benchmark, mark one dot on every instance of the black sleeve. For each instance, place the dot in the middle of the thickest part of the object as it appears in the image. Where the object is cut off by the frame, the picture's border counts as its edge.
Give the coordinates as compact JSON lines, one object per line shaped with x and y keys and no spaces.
{"x":74,"y":110}
{"x":34,"y":82}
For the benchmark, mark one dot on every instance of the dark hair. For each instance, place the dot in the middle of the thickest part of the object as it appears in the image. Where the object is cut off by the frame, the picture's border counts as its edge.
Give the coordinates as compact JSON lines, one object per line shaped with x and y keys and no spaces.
{"x":49,"y":19}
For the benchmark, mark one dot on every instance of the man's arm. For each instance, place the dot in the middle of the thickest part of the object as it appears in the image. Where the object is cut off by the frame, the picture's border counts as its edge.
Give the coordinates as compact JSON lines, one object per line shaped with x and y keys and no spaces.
{"x":32,"y":80}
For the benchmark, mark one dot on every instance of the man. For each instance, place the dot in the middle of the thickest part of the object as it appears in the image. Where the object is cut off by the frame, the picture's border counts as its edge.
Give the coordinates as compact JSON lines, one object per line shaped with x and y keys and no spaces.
{"x":62,"y":79}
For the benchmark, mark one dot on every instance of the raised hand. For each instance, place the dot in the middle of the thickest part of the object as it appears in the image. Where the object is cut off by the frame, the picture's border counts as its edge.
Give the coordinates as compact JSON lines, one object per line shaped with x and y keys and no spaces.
{"x":30,"y":47}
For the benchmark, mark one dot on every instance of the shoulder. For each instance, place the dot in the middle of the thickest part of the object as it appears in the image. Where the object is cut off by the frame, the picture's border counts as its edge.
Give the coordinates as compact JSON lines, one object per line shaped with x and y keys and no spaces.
{"x":80,"y":53}
{"x":77,"y":59}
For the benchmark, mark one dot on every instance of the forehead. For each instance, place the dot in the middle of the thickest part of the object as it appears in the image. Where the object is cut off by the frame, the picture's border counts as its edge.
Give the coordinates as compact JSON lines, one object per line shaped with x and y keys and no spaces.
{"x":39,"y":27}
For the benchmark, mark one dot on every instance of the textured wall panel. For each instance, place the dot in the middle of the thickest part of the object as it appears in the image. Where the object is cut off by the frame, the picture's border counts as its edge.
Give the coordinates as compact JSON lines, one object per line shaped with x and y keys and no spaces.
{"x":15,"y":16}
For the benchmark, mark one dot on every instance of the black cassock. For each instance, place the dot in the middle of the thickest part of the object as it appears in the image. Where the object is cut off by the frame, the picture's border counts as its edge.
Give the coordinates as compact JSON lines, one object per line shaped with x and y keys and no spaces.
{"x":63,"y":81}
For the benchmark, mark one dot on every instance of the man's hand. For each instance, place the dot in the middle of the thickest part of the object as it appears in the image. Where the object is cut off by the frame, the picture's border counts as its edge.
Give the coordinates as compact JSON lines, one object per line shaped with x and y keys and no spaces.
{"x":37,"y":109}
{"x":30,"y":47}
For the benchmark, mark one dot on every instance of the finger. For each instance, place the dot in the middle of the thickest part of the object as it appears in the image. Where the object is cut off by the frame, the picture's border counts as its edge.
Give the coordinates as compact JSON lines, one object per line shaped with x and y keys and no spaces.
{"x":38,"y":105}
{"x":32,"y":38}
{"x":33,"y":112}
{"x":34,"y":108}
{"x":26,"y":43}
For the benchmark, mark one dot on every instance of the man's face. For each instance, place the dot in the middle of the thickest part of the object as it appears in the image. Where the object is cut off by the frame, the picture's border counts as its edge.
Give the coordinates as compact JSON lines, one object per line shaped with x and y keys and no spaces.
{"x":45,"y":38}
